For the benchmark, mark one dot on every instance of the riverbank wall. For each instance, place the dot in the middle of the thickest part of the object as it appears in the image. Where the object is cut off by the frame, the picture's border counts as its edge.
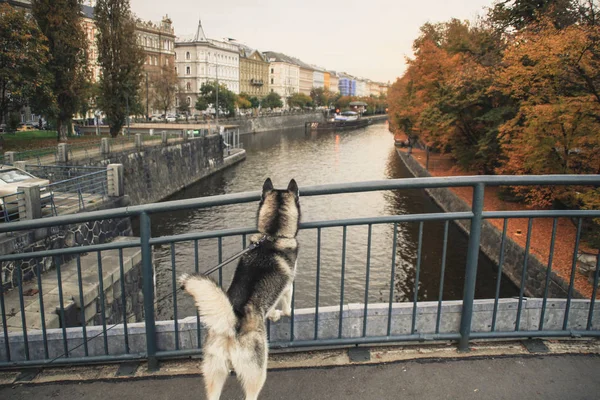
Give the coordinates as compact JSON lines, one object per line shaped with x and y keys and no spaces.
{"x":156,"y":172}
{"x":491,"y":237}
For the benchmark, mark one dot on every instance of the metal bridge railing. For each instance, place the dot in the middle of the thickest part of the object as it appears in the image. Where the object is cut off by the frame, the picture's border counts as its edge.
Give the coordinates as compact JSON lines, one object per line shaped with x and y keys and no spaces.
{"x":75,"y":194}
{"x":347,"y":324}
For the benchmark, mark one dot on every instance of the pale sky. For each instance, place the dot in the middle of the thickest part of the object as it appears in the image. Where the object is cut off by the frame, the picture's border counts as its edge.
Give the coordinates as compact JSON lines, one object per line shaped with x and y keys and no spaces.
{"x":369,"y":39}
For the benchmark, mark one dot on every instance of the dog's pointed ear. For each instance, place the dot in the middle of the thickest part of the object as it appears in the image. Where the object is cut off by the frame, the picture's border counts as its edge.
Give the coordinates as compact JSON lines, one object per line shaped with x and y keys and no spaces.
{"x":293,"y":187}
{"x":268,"y":185}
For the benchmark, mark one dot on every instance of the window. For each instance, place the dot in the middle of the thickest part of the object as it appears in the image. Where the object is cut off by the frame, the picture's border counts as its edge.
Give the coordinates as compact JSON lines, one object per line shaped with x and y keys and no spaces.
{"x":188,"y":55}
{"x":188,"y":86}
{"x":272,"y":70}
{"x":176,"y":101}
{"x":145,"y":41}
{"x":272,"y":81}
{"x":188,"y":100}
{"x":188,"y":70}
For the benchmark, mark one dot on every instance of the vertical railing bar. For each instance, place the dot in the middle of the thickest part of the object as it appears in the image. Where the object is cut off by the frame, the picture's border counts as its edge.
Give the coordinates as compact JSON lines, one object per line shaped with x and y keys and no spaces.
{"x":62,"y":308}
{"x":174,"y":285}
{"x":42,"y":313}
{"x":102,"y":301}
{"x":442,"y":276}
{"x":4,"y":326}
{"x":220,"y":239}
{"x":22,"y":308}
{"x":82,"y":303}
{"x":471,"y":267}
{"x":343,"y":276}
{"x":197,"y":270}
{"x":148,"y":289}
{"x":367,"y":279}
{"x":417,"y":277}
{"x":318,"y":283}
{"x":293,"y":313}
{"x":499,"y":276}
{"x":123,"y":300}
{"x":392,"y":274}
{"x":594,"y":292}
{"x":243,"y":241}
{"x":572,"y":281}
{"x":524,"y":275}
{"x":548,"y":274}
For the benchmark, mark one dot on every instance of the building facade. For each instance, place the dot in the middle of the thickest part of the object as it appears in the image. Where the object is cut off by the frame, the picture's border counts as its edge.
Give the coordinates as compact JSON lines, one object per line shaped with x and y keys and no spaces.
{"x":89,"y":27}
{"x":334,"y":82}
{"x":362,"y":88}
{"x":158,"y":42}
{"x":284,"y":75}
{"x":318,"y":78}
{"x":254,"y":72}
{"x":347,"y":86}
{"x":199,"y":60}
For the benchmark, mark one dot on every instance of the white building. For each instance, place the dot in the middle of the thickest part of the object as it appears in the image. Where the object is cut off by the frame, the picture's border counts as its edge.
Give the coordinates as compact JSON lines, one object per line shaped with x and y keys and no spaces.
{"x":362,"y":88}
{"x":318,"y":77}
{"x":199,"y":60}
{"x":284,"y":75}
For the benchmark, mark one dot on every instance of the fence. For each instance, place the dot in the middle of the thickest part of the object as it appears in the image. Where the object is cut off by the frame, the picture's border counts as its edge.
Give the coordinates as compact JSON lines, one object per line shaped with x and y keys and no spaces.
{"x":318,"y":325}
{"x":55,"y":173}
{"x":73,"y":195}
{"x":10,"y":207}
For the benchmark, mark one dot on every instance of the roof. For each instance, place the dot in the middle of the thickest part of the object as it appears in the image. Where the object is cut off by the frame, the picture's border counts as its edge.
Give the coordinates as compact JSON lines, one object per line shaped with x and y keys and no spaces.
{"x":273,"y":56}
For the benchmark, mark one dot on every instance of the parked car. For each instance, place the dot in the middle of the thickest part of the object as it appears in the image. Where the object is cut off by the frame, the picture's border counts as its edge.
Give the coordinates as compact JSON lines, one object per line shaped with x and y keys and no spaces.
{"x":11,"y":179}
{"x":157,"y":118}
{"x":28,"y":126}
{"x":171,"y":118}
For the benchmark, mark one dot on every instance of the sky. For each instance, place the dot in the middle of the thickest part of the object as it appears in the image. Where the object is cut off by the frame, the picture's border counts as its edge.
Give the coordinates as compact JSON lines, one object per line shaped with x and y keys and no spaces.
{"x":369,"y":39}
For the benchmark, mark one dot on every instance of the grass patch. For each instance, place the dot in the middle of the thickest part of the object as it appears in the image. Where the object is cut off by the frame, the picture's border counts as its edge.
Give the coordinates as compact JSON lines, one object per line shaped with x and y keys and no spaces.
{"x":30,"y":140}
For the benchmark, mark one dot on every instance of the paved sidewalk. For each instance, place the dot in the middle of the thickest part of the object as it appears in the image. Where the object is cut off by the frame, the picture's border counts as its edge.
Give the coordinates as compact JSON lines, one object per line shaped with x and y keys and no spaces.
{"x":549,"y":377}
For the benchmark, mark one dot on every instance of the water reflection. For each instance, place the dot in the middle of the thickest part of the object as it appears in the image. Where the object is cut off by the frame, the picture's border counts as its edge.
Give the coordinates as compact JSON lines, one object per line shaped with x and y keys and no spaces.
{"x":323,"y":158}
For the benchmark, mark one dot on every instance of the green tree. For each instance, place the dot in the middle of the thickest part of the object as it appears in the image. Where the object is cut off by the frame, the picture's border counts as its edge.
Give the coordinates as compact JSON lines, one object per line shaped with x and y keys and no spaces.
{"x":322,"y":97}
{"x":121,"y":60}
{"x":208,"y":94}
{"x":299,"y":100}
{"x":90,"y":93}
{"x":272,"y":100}
{"x":254,"y":101}
{"x":165,"y":88}
{"x":518,"y":14}
{"x":60,"y":22}
{"x":22,"y":60}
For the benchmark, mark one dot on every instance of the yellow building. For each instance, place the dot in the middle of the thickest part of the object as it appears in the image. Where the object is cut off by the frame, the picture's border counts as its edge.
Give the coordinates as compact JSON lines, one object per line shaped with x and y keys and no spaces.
{"x":327,"y":78}
{"x":254,"y":72}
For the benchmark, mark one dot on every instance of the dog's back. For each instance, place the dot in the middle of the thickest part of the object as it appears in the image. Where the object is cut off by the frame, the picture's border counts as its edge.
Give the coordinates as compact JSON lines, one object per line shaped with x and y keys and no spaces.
{"x":235,"y":319}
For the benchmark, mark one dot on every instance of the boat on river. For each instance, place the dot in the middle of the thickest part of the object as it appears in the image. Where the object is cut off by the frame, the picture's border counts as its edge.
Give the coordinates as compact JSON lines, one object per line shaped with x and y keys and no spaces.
{"x":345,"y":120}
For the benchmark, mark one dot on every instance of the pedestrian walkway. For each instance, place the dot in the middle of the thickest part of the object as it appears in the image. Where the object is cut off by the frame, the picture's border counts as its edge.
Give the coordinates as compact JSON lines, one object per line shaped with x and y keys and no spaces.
{"x":557,"y":377}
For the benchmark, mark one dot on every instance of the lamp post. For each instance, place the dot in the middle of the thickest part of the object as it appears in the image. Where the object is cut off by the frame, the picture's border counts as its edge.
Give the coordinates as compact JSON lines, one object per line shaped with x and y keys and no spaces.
{"x":147,"y":108}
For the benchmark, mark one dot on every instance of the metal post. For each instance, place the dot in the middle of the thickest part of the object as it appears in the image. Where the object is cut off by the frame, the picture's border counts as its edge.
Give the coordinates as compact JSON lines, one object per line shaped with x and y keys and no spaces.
{"x":217,"y":75}
{"x":147,"y":108}
{"x":471,"y":273}
{"x":148,"y":290}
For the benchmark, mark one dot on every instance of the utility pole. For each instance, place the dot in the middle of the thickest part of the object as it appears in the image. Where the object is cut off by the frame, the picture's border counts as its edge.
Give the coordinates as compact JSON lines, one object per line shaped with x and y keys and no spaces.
{"x":217,"y":75}
{"x":147,"y":90}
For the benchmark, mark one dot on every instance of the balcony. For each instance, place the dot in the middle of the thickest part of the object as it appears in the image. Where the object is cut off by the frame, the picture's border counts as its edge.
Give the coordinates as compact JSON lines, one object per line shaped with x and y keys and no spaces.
{"x":256,"y":82}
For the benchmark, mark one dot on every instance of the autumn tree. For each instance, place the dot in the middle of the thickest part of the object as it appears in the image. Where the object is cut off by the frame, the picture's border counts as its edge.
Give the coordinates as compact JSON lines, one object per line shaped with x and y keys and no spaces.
{"x":518,"y":14}
{"x":322,"y":97}
{"x":243,"y":101}
{"x":555,"y":75}
{"x":22,"y":60}
{"x":165,"y":87}
{"x":60,"y":22}
{"x":121,"y":60}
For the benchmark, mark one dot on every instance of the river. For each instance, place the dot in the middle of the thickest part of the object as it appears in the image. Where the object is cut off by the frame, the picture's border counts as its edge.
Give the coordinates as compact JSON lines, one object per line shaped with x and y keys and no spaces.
{"x":320,"y":158}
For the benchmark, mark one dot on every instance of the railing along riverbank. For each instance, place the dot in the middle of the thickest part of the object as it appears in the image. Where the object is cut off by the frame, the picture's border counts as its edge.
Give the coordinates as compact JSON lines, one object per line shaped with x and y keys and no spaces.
{"x":344,"y":324}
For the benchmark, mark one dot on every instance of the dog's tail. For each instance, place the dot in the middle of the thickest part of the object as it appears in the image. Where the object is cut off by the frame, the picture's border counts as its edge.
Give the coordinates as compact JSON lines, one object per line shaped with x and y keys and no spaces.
{"x":212,"y":302}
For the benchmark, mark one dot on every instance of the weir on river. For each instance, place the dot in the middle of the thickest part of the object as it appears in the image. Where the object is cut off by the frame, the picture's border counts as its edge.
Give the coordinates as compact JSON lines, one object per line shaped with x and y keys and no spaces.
{"x":320,"y":158}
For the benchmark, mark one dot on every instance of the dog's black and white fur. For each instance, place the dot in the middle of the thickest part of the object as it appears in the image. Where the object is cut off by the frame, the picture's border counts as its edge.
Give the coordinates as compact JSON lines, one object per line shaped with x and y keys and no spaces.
{"x":235,"y":319}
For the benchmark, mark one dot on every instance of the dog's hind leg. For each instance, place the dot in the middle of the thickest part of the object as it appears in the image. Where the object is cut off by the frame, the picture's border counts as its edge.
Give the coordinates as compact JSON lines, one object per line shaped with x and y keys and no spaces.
{"x":214,"y":367}
{"x":250,"y":363}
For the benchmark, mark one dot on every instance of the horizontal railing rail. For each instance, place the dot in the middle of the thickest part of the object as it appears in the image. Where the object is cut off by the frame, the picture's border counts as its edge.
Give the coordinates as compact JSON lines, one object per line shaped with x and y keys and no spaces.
{"x":378,"y":316}
{"x":75,"y":194}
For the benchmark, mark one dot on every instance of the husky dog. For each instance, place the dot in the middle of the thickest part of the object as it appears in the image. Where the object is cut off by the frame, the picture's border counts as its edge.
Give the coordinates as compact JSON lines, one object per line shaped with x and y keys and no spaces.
{"x":235,"y":319}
